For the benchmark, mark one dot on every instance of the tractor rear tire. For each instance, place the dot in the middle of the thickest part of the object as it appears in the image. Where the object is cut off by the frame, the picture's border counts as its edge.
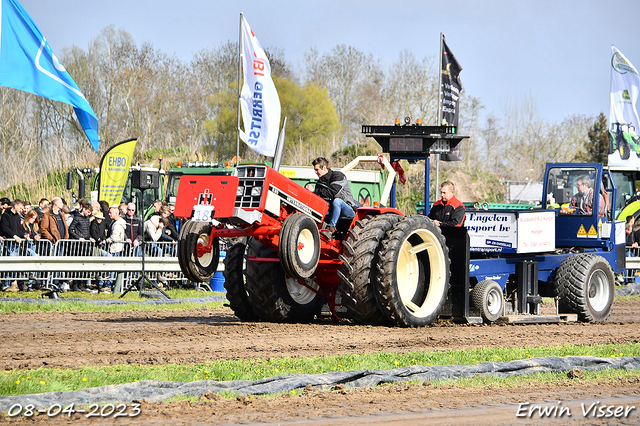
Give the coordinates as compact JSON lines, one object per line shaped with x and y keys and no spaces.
{"x":413,"y":272}
{"x":234,"y":282}
{"x":299,"y":246}
{"x":585,"y":285}
{"x":625,"y":150}
{"x":487,"y":297}
{"x":271,"y":295}
{"x":358,"y":270}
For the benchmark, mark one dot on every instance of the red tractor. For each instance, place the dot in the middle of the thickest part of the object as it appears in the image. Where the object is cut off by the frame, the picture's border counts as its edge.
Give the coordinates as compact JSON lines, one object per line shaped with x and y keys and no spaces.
{"x":380,"y":267}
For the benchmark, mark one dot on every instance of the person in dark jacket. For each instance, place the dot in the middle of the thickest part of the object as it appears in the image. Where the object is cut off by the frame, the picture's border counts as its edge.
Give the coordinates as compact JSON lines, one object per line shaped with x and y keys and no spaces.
{"x":31,"y":226}
{"x":334,"y":188}
{"x":10,"y":222}
{"x":5,"y":204}
{"x":11,"y":227}
{"x":448,"y":210}
{"x":80,"y":227}
{"x":171,"y":230}
{"x":104,"y":206}
{"x":98,"y":228}
{"x":41,"y":207}
{"x":133,"y":229}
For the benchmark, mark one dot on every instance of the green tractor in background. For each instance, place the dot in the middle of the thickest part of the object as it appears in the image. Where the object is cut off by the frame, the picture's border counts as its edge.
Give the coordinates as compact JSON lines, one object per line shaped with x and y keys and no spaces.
{"x":623,"y":138}
{"x":627,"y":180}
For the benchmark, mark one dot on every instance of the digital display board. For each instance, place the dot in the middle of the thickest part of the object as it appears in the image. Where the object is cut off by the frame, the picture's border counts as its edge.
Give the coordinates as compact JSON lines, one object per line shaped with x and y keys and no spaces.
{"x":405,"y":144}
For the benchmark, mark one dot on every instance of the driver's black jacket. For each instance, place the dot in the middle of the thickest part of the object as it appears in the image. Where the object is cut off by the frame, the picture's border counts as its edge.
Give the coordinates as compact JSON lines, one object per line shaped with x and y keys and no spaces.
{"x":334,"y":184}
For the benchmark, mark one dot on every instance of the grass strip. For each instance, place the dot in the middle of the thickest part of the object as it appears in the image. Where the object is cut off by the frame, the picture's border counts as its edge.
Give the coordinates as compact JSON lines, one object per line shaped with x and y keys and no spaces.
{"x":71,"y":306}
{"x":76,"y":306}
{"x":7,"y":306}
{"x":19,"y":382}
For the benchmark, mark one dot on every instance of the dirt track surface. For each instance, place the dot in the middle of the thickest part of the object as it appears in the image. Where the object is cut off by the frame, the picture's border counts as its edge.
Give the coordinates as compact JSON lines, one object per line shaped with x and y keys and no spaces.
{"x":71,"y":340}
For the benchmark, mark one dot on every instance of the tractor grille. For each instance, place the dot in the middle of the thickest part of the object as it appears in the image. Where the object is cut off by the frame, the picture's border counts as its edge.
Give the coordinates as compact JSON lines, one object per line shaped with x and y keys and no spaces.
{"x":250,"y":186}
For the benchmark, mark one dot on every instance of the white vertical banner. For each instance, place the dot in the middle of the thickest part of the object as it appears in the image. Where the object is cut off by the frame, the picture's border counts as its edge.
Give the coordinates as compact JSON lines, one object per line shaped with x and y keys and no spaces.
{"x":624,"y":123}
{"x":259,"y":99}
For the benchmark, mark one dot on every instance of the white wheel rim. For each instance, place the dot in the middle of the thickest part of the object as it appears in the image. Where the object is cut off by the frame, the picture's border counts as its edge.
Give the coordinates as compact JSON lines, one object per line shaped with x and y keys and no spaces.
{"x":494,"y":302}
{"x":408,"y":273}
{"x":207,"y":258}
{"x":299,"y":293}
{"x":598,"y":290}
{"x":305,"y":246}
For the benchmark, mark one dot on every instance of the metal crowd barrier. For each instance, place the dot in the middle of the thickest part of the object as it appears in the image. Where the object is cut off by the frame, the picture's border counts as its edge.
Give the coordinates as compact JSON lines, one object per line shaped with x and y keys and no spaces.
{"x":632,"y":259}
{"x":45,"y":264}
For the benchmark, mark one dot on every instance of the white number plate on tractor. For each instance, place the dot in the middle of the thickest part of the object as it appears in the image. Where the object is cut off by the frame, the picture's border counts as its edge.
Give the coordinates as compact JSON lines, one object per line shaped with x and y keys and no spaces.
{"x":202,"y":213}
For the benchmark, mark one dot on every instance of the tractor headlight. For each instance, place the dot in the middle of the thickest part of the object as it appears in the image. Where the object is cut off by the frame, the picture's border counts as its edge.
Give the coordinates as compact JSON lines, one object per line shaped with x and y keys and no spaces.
{"x":240,"y":191}
{"x":256,"y":191}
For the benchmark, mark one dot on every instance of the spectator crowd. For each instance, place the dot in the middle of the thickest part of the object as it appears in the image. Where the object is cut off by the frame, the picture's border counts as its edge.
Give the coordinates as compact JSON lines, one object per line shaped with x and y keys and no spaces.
{"x":90,"y":228}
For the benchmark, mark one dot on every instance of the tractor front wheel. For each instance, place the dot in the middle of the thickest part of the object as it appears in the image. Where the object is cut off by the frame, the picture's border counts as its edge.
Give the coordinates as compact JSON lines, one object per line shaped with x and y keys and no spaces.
{"x":197,"y":264}
{"x":413,"y":272}
{"x":183,"y":256}
{"x":299,"y":246}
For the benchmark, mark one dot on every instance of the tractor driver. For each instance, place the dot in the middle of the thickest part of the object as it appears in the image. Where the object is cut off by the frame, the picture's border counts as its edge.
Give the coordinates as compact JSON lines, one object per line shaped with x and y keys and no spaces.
{"x":448,"y":210}
{"x":583,"y":199}
{"x":334,"y":188}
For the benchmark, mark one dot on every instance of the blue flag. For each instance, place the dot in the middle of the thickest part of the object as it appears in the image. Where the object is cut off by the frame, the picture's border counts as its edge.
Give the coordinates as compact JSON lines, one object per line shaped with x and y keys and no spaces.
{"x":28,"y":63}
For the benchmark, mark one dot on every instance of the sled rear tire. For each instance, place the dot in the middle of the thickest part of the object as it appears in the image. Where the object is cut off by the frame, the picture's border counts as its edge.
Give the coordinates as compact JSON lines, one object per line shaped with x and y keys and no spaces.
{"x":585,"y":285}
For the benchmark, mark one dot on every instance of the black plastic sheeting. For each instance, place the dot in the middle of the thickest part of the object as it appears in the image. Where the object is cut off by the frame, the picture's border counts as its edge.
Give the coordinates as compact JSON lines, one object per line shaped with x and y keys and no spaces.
{"x":154,"y":390}
{"x":117,"y":302}
{"x":628,"y":290}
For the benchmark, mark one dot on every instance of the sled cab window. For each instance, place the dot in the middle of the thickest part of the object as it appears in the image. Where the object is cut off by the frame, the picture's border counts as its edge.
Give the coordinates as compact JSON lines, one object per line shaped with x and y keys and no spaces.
{"x":572,"y":190}
{"x":625,"y":184}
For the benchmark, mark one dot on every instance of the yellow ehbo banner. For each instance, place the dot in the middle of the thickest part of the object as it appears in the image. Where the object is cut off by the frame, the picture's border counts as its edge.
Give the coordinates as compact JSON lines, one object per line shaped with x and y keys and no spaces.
{"x":114,"y":171}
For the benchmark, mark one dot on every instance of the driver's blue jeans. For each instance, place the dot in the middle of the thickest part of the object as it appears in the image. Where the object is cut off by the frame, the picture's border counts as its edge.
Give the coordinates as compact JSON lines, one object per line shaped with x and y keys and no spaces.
{"x":337,"y":209}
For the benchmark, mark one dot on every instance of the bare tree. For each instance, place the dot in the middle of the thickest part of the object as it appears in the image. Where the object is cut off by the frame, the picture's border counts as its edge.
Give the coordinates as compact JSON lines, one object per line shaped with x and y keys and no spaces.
{"x":411,"y":88}
{"x":353,"y":80}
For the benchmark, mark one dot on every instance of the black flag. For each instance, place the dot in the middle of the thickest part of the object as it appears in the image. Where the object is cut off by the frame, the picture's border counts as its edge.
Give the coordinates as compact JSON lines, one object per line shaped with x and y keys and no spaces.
{"x":450,"y":90}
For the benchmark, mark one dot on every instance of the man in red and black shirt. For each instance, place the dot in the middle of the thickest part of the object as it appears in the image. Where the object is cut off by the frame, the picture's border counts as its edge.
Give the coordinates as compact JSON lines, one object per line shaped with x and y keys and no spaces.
{"x":448,"y":211}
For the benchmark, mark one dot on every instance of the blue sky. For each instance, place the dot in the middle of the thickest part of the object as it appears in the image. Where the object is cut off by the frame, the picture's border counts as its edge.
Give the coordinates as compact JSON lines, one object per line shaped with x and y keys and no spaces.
{"x":556,"y":52}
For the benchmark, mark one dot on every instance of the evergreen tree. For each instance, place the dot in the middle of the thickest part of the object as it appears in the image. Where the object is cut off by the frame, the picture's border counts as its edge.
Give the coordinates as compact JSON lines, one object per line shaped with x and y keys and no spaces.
{"x":597,"y":149}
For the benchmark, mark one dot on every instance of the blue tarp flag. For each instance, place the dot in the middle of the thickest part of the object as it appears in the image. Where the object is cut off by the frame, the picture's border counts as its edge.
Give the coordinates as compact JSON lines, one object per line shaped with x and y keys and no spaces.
{"x":28,"y":63}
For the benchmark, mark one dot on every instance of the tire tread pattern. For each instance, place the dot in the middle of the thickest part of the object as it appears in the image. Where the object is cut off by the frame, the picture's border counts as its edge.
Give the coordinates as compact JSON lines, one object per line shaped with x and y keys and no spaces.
{"x":479,"y":298}
{"x":386,"y":288}
{"x":234,"y":282}
{"x":266,"y":285}
{"x":571,"y":286}
{"x":358,"y":270}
